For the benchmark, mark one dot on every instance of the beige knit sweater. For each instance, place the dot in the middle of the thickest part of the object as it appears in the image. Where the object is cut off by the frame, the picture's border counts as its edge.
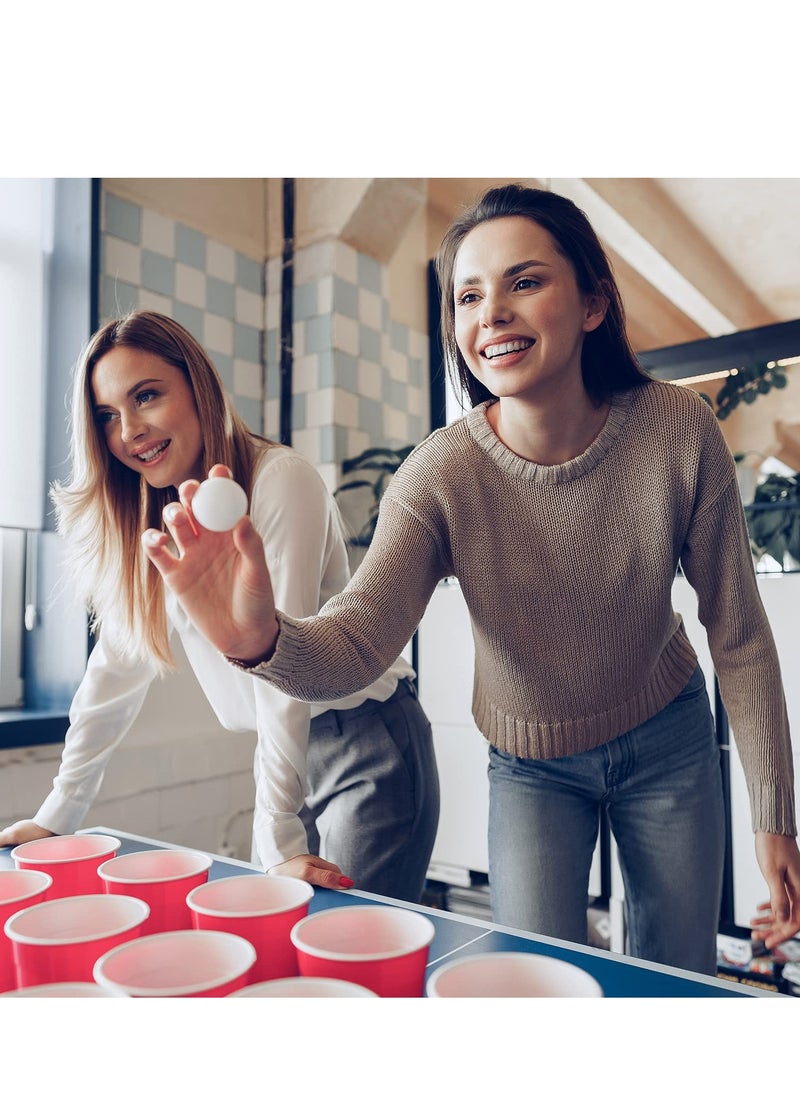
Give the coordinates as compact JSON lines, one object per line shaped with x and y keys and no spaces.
{"x":567,"y":571}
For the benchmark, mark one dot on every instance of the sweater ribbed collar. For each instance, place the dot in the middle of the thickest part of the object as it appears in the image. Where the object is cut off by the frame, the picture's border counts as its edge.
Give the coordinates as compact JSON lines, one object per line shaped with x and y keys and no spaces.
{"x":523,"y":469}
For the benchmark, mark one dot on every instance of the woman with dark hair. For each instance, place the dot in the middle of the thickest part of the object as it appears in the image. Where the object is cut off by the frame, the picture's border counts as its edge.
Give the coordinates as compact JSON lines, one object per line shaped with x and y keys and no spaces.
{"x":563,"y":503}
{"x":148,"y":411}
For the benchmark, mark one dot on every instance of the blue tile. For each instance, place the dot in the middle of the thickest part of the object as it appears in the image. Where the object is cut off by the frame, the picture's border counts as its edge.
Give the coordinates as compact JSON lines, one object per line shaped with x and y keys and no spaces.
{"x":224,"y":364}
{"x":415,"y":372}
{"x":190,"y":247}
{"x":318,"y":334}
{"x":117,"y":298}
{"x":220,"y":298}
{"x":345,"y":372}
{"x":370,"y":417}
{"x":247,"y":343}
{"x":395,"y":393}
{"x":123,"y":219}
{"x":327,"y":368}
{"x":333,"y":443}
{"x":272,"y":347}
{"x":158,"y":273}
{"x":191,"y":318}
{"x":273,"y":380}
{"x":304,"y":301}
{"x":369,"y":273}
{"x":345,"y":298}
{"x":369,"y":343}
{"x":415,"y":431}
{"x":250,"y":274}
{"x":252,"y":411}
{"x":386,"y":318}
{"x":399,"y":337}
{"x":299,"y":411}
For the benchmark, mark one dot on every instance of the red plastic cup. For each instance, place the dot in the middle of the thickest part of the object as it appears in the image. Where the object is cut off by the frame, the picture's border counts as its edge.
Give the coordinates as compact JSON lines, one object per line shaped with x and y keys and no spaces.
{"x":304,"y":987}
{"x":60,"y":941}
{"x":160,"y":877}
{"x":384,"y":948}
{"x":72,"y":859}
{"x":18,"y":890}
{"x":511,"y":974}
{"x":261,"y":908}
{"x":62,"y":989}
{"x":191,"y":963}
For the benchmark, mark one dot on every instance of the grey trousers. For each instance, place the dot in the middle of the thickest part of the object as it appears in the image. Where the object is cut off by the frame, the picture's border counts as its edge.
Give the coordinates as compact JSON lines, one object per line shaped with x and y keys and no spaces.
{"x":373,"y":800}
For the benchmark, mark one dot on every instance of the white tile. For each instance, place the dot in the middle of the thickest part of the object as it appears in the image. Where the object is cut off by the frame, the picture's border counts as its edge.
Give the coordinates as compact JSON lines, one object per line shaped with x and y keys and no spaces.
{"x":217,"y":333}
{"x":325,"y":295}
{"x":370,"y":309}
{"x":158,"y":233}
{"x":418,"y":345}
{"x":307,"y":443}
{"x":313,"y":262}
{"x":346,"y":262}
{"x":319,"y":407}
{"x":305,"y":374}
{"x":345,"y":334}
{"x":248,"y":379}
{"x":416,"y":404}
{"x":345,"y":408}
{"x":395,"y":425}
{"x":298,"y":339}
{"x":220,"y":261}
{"x":155,"y":302}
{"x":190,"y":285}
{"x":123,"y":260}
{"x":273,"y":317}
{"x":272,"y":418}
{"x":249,"y":307}
{"x":370,"y":379}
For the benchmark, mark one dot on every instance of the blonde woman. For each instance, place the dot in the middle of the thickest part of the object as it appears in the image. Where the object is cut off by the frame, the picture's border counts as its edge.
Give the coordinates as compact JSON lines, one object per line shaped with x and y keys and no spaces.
{"x":345,"y":793}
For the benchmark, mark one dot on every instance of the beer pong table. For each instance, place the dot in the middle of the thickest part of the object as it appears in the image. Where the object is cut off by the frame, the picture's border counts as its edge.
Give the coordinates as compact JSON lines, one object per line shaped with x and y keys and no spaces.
{"x":459,"y":937}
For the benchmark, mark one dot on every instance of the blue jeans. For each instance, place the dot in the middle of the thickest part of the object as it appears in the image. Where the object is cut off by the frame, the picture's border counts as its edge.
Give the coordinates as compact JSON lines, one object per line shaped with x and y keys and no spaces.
{"x":373,"y":800}
{"x":661,"y":784}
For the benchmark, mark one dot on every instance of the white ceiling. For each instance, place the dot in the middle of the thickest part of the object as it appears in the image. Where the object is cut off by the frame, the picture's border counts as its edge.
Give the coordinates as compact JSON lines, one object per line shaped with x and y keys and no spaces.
{"x":694,"y":257}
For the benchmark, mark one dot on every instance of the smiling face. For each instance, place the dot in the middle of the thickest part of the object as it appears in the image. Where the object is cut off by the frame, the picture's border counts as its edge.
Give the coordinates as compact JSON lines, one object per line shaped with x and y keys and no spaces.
{"x":145,"y":409}
{"x":520,"y":318}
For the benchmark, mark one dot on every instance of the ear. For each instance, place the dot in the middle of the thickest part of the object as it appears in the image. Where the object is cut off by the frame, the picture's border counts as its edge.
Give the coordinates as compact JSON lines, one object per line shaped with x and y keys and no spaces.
{"x":596,"y":308}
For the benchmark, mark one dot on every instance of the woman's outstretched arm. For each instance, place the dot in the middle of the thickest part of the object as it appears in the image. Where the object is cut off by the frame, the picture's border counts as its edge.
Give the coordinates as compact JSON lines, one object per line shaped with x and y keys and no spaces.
{"x":220,"y":579}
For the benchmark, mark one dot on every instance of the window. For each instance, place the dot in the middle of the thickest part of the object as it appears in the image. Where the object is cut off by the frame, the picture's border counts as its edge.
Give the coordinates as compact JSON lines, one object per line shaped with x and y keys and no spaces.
{"x":48,"y":229}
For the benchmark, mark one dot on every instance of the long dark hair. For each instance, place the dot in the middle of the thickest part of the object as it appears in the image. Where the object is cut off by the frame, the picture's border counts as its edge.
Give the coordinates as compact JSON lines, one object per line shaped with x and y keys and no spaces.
{"x":608,"y":363}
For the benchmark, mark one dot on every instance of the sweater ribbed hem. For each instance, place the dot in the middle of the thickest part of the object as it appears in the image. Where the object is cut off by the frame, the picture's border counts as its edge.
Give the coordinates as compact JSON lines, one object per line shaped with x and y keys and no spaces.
{"x":537,"y":739}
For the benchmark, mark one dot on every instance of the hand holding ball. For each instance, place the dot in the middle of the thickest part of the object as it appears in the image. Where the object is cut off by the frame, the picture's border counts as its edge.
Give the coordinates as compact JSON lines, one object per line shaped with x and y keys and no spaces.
{"x":218,"y":503}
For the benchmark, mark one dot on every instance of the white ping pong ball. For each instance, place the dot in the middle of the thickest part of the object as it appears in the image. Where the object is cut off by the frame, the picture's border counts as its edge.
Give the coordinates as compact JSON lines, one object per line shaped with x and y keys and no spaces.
{"x":219,"y":503}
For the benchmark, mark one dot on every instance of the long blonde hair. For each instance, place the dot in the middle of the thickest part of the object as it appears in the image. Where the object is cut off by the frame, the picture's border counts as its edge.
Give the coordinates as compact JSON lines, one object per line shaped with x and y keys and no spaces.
{"x":104,"y":507}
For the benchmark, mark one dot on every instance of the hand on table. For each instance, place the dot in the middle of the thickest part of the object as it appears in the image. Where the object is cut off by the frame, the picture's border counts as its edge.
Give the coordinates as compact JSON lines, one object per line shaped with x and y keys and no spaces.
{"x":24,"y":830}
{"x":220,"y":579}
{"x":779,"y":860}
{"x":320,"y":873}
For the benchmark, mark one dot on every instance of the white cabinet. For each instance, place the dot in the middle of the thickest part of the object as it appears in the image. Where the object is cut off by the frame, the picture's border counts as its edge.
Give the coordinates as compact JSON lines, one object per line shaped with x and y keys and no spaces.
{"x":445,"y":662}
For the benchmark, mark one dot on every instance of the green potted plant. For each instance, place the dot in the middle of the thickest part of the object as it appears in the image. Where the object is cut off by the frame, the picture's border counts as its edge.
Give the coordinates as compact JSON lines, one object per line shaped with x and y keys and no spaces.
{"x":773,"y":518}
{"x":364,"y":492}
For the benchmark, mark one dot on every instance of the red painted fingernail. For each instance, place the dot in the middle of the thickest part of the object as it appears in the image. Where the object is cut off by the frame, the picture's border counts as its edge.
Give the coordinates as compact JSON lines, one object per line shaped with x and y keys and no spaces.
{"x":345,"y":882}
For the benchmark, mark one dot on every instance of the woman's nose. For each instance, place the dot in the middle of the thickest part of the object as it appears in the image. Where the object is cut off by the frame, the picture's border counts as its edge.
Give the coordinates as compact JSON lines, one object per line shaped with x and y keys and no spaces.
{"x":131,"y":425}
{"x":495,"y":310}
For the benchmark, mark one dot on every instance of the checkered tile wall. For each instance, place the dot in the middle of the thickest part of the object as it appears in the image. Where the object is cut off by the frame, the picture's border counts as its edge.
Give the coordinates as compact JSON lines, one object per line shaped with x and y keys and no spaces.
{"x":360,"y":379}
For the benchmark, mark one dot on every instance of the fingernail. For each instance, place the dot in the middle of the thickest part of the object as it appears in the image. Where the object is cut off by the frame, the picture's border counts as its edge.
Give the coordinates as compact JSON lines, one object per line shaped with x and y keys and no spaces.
{"x":345,"y":882}
{"x":151,"y":538}
{"x":171,"y":511}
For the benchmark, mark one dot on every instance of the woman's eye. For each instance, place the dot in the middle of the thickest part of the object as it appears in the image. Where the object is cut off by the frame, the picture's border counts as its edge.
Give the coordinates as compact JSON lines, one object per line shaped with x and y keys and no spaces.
{"x":525,"y":283}
{"x":146,"y":395}
{"x":467,"y":298}
{"x":103,"y":418}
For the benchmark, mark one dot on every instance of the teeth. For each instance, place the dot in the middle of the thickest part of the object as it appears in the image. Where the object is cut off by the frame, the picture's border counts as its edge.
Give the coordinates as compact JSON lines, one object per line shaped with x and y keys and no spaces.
{"x":507,"y":347}
{"x":151,"y":453}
